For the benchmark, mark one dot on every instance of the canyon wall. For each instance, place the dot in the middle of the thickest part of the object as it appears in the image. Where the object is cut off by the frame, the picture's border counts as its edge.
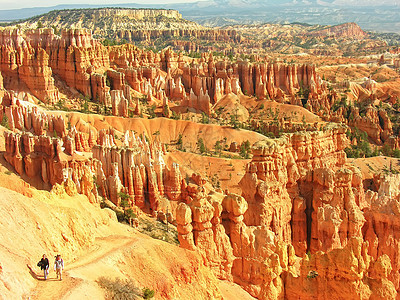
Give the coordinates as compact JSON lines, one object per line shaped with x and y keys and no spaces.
{"x":31,"y":61}
{"x":303,"y":215}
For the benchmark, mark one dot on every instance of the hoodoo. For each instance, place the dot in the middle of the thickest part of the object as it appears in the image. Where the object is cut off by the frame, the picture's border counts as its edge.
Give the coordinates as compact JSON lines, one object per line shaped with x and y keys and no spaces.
{"x":162,"y":158}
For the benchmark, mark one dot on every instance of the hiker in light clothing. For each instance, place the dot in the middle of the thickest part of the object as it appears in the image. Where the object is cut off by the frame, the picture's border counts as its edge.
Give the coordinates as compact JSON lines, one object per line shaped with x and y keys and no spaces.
{"x":59,"y":266}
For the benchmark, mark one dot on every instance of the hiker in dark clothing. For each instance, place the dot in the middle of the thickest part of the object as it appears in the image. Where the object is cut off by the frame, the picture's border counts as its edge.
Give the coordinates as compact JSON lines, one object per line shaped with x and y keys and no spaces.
{"x":44,"y":265}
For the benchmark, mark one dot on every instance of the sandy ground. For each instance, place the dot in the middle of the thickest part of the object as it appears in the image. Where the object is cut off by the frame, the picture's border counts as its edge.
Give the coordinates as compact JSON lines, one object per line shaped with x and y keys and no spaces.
{"x":374,"y":165}
{"x":72,"y":286}
{"x":232,"y":291}
{"x":169,"y":129}
{"x":229,"y":171}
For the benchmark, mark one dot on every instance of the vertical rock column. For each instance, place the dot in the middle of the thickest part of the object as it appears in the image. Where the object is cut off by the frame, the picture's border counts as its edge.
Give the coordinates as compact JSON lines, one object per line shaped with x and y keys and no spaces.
{"x":185,"y":228}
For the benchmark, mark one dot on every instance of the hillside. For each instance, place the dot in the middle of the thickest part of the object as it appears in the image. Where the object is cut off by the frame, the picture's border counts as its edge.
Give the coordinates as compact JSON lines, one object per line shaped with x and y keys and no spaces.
{"x":93,"y":245}
{"x":110,"y":22}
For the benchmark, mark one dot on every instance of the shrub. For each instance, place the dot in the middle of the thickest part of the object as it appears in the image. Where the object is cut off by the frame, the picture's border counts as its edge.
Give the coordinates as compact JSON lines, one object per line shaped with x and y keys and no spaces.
{"x":204,"y":118}
{"x":4,"y":122}
{"x":396,"y":153}
{"x":148,"y":294}
{"x":218,"y":147}
{"x":85,"y":105}
{"x":151,"y":111}
{"x":120,"y":289}
{"x":234,"y":121}
{"x":245,"y":149}
{"x":125,"y":203}
{"x":363,"y":148}
{"x":312,"y":274}
{"x":201,"y":146}
{"x":176,"y":116}
{"x":179,"y":142}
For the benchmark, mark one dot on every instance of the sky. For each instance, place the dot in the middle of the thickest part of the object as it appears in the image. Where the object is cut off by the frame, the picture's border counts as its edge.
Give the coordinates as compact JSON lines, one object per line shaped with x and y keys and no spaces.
{"x":15,"y":4}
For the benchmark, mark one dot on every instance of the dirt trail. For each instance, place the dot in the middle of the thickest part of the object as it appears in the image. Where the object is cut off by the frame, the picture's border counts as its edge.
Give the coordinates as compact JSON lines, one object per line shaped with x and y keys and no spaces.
{"x":53,"y":288}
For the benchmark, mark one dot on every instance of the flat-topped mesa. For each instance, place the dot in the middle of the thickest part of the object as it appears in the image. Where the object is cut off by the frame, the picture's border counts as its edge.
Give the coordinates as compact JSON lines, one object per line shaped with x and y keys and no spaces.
{"x":136,"y":13}
{"x":342,"y":31}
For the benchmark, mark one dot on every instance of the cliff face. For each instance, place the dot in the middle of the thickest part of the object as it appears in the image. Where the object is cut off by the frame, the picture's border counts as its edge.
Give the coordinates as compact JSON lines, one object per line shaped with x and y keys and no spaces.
{"x":134,"y":13}
{"x":33,"y":57}
{"x":298,"y":197}
{"x":343,"y":31}
{"x":282,"y":169}
{"x":23,"y":63}
{"x":109,"y":22}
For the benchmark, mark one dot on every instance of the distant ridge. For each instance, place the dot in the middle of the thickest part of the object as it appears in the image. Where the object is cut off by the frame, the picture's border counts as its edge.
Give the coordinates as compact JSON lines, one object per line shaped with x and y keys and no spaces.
{"x":25,"y":13}
{"x":110,"y":22}
{"x":378,"y":16}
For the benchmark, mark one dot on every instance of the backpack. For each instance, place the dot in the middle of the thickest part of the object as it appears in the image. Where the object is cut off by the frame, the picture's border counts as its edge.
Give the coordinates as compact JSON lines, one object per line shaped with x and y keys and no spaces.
{"x":59,"y":263}
{"x":39,"y":264}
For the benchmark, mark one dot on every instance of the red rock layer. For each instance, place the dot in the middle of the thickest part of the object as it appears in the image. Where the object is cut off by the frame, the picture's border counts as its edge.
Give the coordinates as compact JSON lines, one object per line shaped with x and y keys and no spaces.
{"x":22,"y":116}
{"x":80,"y":61}
{"x":23,"y":63}
{"x":298,"y":197}
{"x":138,"y":168}
{"x":211,"y":35}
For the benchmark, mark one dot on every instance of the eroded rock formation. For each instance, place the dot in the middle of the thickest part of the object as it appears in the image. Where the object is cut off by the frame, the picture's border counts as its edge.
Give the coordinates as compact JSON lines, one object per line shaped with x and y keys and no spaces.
{"x":108,"y":74}
{"x":299,"y":197}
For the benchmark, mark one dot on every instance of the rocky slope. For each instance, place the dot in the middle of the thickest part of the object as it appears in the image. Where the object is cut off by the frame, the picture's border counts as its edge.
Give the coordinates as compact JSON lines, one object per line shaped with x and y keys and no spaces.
{"x":93,"y":245}
{"x":106,"y":21}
